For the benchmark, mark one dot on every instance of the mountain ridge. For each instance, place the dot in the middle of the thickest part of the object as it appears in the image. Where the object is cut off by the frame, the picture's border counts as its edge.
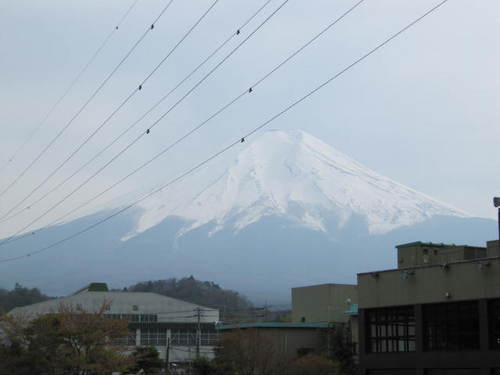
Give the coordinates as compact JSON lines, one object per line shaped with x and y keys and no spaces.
{"x":299,"y":177}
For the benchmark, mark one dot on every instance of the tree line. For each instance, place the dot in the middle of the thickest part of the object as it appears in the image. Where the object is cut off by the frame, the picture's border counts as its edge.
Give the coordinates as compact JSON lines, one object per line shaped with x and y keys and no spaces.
{"x":205,"y":293}
{"x":20,"y":296}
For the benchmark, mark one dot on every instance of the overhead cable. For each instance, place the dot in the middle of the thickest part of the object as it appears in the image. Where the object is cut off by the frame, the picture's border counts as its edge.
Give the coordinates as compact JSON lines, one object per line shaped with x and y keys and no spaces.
{"x":144,"y":133}
{"x":116,"y":110}
{"x":70,"y":87}
{"x":119,"y":136}
{"x":203,"y":123}
{"x":229,"y":146}
{"x":87,"y":102}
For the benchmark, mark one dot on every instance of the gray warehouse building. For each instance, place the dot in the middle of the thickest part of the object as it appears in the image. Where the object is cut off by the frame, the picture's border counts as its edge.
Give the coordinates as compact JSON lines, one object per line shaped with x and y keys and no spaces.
{"x":438,"y":313}
{"x":154,"y":320}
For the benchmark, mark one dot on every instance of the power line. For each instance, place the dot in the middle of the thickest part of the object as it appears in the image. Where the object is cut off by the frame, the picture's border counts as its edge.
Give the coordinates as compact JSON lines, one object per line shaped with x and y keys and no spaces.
{"x":231,"y":145}
{"x":70,"y":86}
{"x":89,"y":100}
{"x":116,"y":110}
{"x":211,"y":117}
{"x":213,"y":53}
{"x":148,"y":130}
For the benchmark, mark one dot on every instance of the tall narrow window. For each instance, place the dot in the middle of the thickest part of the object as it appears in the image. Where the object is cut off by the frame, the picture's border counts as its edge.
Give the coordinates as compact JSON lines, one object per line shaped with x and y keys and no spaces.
{"x":494,"y":324}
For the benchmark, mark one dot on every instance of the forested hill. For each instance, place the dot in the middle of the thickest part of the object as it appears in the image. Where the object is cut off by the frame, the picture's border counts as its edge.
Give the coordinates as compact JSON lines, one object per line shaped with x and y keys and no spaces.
{"x":205,"y":293}
{"x":20,"y":296}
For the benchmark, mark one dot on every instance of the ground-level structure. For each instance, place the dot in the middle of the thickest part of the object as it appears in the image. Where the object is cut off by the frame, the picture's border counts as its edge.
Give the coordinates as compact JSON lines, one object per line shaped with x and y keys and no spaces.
{"x":438,"y":313}
{"x":178,"y":329}
{"x":289,"y":340}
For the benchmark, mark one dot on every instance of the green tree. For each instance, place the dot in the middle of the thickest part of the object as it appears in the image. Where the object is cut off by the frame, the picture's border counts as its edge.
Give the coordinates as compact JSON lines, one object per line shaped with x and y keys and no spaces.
{"x":343,"y":350}
{"x":189,"y":289}
{"x":19,"y":296}
{"x":313,"y":364}
{"x":148,"y":359}
{"x":204,"y":366}
{"x":247,"y":352}
{"x":70,"y":342}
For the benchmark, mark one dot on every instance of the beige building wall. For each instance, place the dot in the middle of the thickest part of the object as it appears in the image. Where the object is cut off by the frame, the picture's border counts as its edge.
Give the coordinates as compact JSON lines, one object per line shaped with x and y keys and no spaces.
{"x":456,"y":281}
{"x":291,"y":341}
{"x":422,"y":253}
{"x":323,"y":303}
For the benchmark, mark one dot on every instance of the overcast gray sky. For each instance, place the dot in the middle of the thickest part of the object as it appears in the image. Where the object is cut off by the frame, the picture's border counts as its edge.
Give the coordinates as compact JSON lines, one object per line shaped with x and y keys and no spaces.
{"x":423,"y":110}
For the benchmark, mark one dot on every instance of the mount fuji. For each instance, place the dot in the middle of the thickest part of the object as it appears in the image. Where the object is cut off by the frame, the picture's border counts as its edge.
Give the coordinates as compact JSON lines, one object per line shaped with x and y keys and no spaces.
{"x":289,"y":211}
{"x":299,"y":178}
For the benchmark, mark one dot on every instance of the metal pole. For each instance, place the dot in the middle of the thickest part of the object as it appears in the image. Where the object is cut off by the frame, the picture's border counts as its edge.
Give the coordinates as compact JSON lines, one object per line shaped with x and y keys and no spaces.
{"x":198,"y":332}
{"x":167,"y":355}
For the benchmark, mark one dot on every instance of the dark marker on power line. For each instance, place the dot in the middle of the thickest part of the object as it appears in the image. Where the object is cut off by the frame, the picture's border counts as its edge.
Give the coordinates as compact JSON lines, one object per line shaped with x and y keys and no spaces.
{"x":250,"y":90}
{"x":238,"y":32}
{"x":147,"y":131}
{"x":140,"y":87}
{"x":152,"y":26}
{"x":217,"y":154}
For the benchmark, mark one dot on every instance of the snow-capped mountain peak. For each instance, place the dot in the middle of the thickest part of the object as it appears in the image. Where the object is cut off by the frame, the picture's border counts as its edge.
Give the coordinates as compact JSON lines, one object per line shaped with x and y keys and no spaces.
{"x":293,"y":175}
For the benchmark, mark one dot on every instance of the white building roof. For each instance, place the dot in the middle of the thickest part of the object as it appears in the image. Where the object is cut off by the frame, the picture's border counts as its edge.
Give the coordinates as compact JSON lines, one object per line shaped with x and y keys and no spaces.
{"x":168,"y":309}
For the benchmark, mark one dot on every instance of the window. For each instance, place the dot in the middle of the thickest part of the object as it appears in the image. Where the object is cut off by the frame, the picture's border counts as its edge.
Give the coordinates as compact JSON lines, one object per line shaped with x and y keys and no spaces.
{"x":145,"y":318}
{"x":125,"y":341}
{"x":391,"y":329}
{"x":494,"y":318}
{"x":209,"y":338}
{"x":188,"y":338}
{"x":136,"y":318}
{"x":155,"y":337}
{"x":444,"y":371}
{"x":392,"y":372}
{"x":184,"y":338}
{"x":451,"y":326}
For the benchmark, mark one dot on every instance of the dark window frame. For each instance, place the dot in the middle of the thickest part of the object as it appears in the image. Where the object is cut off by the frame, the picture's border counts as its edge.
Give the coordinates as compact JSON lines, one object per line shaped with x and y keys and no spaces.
{"x":494,"y":324}
{"x":451,"y":326}
{"x":391,"y":330}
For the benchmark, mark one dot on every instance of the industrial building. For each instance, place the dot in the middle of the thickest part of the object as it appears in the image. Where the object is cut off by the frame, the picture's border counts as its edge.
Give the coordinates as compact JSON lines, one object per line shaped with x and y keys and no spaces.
{"x":176,"y":328}
{"x":333,"y":304}
{"x":437,"y":313}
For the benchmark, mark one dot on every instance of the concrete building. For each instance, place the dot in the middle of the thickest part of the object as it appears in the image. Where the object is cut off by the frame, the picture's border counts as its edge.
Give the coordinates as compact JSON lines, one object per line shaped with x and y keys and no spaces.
{"x":335,"y":304}
{"x":154,"y":320}
{"x":437,"y":313}
{"x":325,"y":303}
{"x":290,"y":340}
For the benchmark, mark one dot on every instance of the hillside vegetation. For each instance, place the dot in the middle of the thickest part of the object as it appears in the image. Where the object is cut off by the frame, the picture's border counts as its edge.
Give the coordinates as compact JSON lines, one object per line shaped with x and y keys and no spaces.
{"x":205,"y":293}
{"x":20,"y":296}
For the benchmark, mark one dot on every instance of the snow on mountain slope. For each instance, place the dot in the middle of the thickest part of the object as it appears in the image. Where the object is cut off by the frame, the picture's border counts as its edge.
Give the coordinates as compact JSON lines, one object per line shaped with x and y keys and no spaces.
{"x":296,"y":176}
